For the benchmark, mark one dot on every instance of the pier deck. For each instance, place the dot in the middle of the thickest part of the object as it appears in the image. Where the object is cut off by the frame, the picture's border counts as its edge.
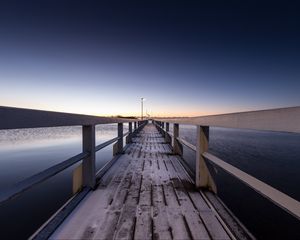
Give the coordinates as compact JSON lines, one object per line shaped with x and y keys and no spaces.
{"x":146,"y":194}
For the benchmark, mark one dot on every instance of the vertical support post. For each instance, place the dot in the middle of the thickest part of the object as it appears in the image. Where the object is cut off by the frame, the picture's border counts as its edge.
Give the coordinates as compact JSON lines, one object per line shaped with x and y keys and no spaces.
{"x":88,"y":164}
{"x":120,"y":135}
{"x":129,"y":137}
{"x":175,"y":136}
{"x":203,"y":177}
{"x":162,"y":129}
{"x":167,"y":135}
{"x":134,"y":125}
{"x":118,"y":146}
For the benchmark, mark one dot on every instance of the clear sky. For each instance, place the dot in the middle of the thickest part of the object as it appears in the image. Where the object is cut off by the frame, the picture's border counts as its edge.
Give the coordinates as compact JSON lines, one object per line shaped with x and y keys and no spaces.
{"x":187,"y":58}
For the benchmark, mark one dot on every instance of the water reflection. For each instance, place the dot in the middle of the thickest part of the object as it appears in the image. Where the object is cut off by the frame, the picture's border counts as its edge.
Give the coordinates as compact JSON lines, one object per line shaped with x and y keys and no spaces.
{"x":25,"y":152}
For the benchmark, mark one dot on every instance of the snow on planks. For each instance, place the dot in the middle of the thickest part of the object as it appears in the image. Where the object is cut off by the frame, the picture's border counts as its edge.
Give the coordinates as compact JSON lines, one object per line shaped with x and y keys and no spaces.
{"x":145,"y":195}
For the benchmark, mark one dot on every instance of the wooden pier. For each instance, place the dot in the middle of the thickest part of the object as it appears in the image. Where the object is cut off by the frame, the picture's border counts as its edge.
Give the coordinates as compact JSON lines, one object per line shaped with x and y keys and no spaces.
{"x":147,"y":194}
{"x":147,"y":191}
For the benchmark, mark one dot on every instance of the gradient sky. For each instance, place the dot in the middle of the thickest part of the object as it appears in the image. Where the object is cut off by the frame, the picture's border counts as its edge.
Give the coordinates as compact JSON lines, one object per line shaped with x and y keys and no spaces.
{"x":186,"y":58}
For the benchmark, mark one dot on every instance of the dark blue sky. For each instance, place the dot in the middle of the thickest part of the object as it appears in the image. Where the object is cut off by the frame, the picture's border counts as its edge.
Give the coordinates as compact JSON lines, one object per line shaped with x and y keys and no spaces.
{"x":185,"y":57}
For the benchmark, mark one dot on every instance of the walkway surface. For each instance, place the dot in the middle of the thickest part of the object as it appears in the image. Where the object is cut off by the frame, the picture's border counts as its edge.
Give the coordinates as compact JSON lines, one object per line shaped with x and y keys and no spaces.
{"x":146,"y":194}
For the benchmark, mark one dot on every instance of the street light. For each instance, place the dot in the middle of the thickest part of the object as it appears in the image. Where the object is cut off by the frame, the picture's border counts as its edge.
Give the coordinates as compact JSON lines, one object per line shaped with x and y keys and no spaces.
{"x":142,"y":110}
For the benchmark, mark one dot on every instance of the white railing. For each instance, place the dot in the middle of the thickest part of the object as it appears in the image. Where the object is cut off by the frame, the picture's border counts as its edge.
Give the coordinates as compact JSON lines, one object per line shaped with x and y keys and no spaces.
{"x":282,"y":120}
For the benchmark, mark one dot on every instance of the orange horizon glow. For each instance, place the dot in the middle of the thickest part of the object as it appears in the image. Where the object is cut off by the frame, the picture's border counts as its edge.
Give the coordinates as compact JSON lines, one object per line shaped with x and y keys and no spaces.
{"x":115,"y":113}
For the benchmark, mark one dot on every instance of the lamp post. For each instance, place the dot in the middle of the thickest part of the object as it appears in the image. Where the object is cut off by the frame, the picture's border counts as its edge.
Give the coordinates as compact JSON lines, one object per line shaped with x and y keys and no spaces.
{"x":142,"y":106}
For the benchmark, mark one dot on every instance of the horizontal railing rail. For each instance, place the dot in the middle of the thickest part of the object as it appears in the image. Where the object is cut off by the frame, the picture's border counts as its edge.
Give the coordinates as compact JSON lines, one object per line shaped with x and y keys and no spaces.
{"x":282,"y":200}
{"x":282,"y":120}
{"x":15,"y":118}
{"x":107,"y":143}
{"x":187,"y":144}
{"x":279,"y":120}
{"x":30,"y":182}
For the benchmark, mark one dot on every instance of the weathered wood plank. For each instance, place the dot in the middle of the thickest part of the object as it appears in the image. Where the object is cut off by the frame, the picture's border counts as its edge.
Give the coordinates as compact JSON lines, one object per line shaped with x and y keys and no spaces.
{"x":161,"y":226}
{"x":125,"y":229}
{"x":192,"y":220}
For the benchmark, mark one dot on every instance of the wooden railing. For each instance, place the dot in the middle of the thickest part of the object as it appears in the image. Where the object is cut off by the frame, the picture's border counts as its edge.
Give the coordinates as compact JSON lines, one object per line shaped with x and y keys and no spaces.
{"x":15,"y":118}
{"x":283,"y":120}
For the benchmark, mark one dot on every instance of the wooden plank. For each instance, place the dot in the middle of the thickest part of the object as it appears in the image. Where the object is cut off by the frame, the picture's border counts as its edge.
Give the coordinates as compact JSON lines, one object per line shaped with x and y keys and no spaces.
{"x":116,"y":209}
{"x":174,"y":215}
{"x":192,"y":220}
{"x":189,"y":185}
{"x":214,"y":227}
{"x":144,"y":226}
{"x":126,"y":226}
{"x":124,"y":229}
{"x":161,"y":226}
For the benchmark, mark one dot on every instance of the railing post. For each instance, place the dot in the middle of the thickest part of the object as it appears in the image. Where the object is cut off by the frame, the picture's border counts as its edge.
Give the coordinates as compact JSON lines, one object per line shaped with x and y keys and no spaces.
{"x":162,"y":125}
{"x":134,"y":125}
{"x":203,"y":177}
{"x":118,"y":146}
{"x":120,"y":135}
{"x":167,"y":135}
{"x":176,"y":147}
{"x":129,"y":137}
{"x":88,"y":165}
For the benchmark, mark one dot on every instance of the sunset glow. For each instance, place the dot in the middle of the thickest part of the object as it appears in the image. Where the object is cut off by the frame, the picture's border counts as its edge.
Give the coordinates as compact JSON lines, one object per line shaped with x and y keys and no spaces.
{"x":89,"y":62}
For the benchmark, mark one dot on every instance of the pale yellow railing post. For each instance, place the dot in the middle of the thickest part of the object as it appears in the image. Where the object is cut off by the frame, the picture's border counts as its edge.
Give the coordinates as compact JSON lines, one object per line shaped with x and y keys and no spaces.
{"x":88,"y":164}
{"x":203,"y":177}
{"x":177,"y":148}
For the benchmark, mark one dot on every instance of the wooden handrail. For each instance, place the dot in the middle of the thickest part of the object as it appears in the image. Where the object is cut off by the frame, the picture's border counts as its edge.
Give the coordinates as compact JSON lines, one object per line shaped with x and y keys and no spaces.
{"x":15,"y":118}
{"x":280,"y":119}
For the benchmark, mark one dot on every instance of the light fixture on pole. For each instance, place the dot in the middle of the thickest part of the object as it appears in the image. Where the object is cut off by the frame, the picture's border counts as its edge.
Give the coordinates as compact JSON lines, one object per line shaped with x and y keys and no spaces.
{"x":142,"y":106}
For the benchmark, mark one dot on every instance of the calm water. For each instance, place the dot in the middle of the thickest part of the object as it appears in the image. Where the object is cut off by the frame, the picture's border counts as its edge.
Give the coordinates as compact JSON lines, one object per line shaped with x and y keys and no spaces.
{"x":271,"y":157}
